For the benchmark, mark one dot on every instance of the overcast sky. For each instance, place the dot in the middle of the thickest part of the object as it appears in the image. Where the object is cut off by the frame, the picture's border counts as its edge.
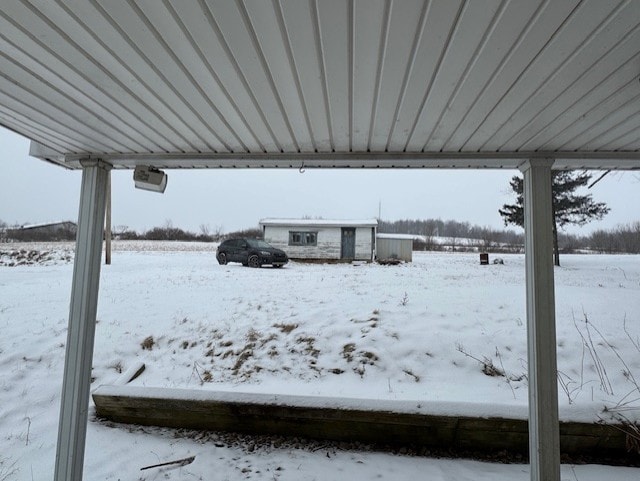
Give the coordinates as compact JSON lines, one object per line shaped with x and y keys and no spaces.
{"x":33,"y":191}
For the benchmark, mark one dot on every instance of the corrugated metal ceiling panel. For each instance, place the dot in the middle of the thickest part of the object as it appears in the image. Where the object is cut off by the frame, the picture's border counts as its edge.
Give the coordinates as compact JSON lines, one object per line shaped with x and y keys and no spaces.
{"x":373,"y":83}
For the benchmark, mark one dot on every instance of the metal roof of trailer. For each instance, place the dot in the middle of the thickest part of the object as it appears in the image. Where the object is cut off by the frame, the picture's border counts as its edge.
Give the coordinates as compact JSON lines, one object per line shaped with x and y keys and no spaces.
{"x":332,"y":83}
{"x":319,"y":222}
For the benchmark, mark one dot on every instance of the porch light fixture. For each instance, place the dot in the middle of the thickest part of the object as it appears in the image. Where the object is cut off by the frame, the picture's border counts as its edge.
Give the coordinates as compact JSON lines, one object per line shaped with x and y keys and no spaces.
{"x":150,"y":178}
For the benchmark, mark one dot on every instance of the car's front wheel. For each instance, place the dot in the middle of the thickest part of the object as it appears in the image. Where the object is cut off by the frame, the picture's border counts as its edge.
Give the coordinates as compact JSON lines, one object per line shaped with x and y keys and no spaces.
{"x":222,"y":258}
{"x":254,"y":261}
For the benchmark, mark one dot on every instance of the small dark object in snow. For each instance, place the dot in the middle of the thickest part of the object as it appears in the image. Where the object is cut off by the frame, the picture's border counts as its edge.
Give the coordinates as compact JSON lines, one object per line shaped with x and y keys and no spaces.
{"x":178,"y":462}
{"x":498,"y":260}
{"x":389,"y":262}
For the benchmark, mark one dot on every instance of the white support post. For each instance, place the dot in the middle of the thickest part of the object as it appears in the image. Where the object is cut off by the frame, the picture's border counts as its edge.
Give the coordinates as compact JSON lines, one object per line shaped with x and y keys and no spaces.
{"x":544,"y":432}
{"x":83,"y":307}
{"x":107,"y":225}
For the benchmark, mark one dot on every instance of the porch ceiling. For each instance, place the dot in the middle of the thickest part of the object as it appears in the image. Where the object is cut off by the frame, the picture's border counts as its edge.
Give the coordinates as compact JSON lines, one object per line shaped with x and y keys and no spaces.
{"x":331,"y":83}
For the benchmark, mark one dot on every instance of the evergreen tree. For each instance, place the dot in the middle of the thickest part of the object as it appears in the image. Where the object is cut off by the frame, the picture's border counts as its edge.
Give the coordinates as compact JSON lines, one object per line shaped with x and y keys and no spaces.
{"x":568,"y":206}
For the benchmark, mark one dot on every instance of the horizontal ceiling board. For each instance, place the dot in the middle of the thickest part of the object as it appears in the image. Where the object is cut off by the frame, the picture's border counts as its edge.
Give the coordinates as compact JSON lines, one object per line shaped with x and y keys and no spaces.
{"x":430,"y":44}
{"x":103,"y":73}
{"x":623,"y":119}
{"x":33,"y":130}
{"x":587,"y":69}
{"x":610,"y":114}
{"x":360,"y":83}
{"x":335,"y":37}
{"x":592,"y":66}
{"x":562,"y":59}
{"x":67,"y":81}
{"x":368,"y":24}
{"x":537,"y":30}
{"x":630,"y":125}
{"x":612,"y":94}
{"x":27,"y":104}
{"x":474,"y":24}
{"x":77,"y":112}
{"x":21,"y":116}
{"x":140,"y":82}
{"x":238,"y":32}
{"x":220,"y":114}
{"x":490,"y":160}
{"x":628,"y":140}
{"x":302,"y":28}
{"x":567,"y":111}
{"x":233,"y":90}
{"x":146,"y":43}
{"x":271,"y":36}
{"x":511,"y":20}
{"x":397,"y":44}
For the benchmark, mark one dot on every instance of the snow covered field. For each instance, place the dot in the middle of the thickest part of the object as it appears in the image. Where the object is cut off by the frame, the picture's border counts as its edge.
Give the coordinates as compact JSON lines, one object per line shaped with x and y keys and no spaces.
{"x":443,"y":331}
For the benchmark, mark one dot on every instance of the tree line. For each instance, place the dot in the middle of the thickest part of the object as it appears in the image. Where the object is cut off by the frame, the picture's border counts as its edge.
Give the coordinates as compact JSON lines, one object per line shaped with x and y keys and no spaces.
{"x":622,"y":239}
{"x":431,"y":228}
{"x":168,"y":232}
{"x":625,"y":238}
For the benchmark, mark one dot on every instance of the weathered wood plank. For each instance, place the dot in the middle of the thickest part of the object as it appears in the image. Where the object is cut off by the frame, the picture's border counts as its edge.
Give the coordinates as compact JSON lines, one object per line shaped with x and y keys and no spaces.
{"x":319,"y":419}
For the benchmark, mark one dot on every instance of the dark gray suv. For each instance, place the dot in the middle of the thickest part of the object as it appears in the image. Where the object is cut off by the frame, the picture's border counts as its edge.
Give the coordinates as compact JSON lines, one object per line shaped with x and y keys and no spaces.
{"x":250,"y":252}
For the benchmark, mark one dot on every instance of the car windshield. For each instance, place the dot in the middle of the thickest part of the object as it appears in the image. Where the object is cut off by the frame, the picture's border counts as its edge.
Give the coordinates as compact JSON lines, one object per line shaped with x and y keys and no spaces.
{"x":258,"y":244}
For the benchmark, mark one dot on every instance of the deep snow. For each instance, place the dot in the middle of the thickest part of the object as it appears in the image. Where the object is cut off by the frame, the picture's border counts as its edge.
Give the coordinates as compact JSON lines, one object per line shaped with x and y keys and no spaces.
{"x":419,"y":332}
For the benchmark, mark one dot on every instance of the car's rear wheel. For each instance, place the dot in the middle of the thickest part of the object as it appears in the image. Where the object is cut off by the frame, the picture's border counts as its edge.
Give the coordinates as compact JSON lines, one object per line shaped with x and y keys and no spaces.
{"x":254,"y":261}
{"x":222,"y":258}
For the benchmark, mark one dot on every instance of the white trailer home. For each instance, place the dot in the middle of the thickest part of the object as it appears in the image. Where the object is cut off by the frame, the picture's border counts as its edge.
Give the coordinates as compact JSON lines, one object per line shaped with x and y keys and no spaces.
{"x":322,"y":239}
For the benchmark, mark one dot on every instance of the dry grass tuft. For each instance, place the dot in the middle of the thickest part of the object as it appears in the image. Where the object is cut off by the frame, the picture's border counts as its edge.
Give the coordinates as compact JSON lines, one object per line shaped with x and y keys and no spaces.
{"x":148,"y":343}
{"x":285,"y":328}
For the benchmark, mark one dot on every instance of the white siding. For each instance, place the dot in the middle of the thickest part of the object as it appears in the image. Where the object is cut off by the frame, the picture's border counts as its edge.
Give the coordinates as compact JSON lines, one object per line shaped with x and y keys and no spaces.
{"x":329,"y":241}
{"x":363,"y":243}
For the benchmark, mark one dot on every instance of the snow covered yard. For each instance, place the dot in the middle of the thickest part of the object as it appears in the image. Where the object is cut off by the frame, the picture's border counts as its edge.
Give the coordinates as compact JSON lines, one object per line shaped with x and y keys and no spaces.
{"x":443,"y":330}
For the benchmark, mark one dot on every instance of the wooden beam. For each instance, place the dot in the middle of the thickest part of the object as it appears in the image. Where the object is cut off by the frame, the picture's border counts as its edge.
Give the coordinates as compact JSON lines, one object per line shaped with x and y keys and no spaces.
{"x":379,"y":423}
